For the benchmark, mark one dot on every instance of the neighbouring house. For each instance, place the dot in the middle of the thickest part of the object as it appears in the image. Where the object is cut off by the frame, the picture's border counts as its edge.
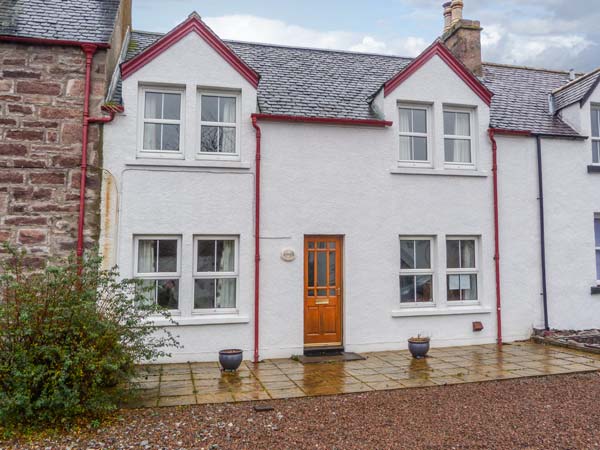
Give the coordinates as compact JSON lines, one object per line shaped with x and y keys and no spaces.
{"x":45,"y":48}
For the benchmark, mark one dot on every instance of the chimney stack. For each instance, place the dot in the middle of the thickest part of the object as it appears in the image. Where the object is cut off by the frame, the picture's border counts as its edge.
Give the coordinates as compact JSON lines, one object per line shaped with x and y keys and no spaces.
{"x":463,"y":37}
{"x":447,"y":15}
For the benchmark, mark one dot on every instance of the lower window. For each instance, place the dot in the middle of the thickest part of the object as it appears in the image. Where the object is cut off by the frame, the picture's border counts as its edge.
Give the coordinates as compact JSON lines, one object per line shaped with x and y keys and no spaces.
{"x":215,"y":273}
{"x":416,"y":273}
{"x":157,"y":265}
{"x":462,"y":271}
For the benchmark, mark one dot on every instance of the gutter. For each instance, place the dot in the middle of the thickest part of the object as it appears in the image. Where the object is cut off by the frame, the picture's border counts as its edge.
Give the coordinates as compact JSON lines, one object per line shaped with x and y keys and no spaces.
{"x":492,"y":132}
{"x":42,"y":41}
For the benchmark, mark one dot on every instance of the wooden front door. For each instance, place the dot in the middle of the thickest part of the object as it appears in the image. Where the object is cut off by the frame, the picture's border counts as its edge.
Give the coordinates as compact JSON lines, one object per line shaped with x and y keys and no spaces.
{"x":322,"y":291}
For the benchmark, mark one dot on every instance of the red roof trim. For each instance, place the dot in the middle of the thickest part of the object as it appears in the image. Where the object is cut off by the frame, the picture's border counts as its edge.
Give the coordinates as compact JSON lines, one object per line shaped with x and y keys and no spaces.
{"x":323,"y":120}
{"x":439,"y":49}
{"x":510,"y":132}
{"x":195,"y":25}
{"x":42,"y":41}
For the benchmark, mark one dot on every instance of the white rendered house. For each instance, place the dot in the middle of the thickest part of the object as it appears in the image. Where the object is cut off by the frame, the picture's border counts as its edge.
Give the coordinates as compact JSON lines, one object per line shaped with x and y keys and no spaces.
{"x":373,"y":211}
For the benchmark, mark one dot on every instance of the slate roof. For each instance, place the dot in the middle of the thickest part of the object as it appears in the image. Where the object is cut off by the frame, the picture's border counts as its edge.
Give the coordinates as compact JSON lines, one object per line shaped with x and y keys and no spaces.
{"x":329,"y":83}
{"x":576,"y":90}
{"x":71,"y":20}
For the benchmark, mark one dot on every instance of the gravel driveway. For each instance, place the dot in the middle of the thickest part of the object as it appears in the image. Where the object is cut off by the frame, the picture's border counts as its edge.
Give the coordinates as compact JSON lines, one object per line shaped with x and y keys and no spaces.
{"x":555,"y":412}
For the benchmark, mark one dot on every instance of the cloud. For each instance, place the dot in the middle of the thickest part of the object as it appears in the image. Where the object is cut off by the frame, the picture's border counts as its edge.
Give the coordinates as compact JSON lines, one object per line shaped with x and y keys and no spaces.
{"x":261,"y":29}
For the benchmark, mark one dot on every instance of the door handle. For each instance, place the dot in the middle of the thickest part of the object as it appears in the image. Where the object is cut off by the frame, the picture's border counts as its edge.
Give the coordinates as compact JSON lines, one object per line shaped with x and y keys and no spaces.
{"x":339,"y":291}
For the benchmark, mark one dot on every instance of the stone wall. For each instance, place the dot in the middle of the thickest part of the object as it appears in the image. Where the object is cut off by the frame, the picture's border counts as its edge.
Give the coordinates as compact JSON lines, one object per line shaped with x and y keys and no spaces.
{"x":41,"y":113}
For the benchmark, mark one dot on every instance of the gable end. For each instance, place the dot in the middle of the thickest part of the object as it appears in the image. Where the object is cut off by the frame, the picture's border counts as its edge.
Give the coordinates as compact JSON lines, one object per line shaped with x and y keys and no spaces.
{"x":192,"y":25}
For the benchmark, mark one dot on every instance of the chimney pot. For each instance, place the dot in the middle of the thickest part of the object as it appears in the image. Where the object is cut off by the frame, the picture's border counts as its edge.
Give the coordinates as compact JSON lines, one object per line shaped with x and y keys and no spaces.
{"x":447,"y":15}
{"x":457,"y":11}
{"x":572,"y":74}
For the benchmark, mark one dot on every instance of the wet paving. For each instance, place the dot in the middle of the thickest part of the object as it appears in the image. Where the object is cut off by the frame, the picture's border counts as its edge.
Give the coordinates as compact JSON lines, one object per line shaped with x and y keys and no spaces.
{"x":196,"y":383}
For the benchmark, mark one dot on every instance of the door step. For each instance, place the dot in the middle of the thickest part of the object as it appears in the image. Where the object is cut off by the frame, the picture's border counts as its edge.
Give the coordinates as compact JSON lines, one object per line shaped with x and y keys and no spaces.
{"x":338,"y":357}
{"x":324,"y":351}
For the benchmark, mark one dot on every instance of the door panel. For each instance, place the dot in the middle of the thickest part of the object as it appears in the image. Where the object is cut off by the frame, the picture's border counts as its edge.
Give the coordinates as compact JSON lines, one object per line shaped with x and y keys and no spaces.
{"x":322,"y":290}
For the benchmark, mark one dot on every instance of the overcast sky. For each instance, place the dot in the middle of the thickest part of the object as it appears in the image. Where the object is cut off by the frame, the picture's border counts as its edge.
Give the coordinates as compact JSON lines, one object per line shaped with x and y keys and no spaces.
{"x":555,"y":34}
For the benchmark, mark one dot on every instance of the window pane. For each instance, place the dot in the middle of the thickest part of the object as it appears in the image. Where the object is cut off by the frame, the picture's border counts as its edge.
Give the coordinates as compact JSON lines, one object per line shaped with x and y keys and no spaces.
{"x":407,"y":289}
{"x":206,"y":256}
{"x":153,"y":105}
{"x":407,"y":254}
{"x":453,"y":287}
{"x":452,"y":254}
{"x":419,"y":148}
{"x":449,"y":123}
{"x":210,"y":108}
{"x":332,"y":279}
{"x":423,"y":254}
{"x":424,"y":288}
{"x":167,"y":255}
{"x":225,"y":293}
{"x":405,"y":123}
{"x":167,"y":294}
{"x":204,"y":294}
{"x":597,"y":264}
{"x":151,"y":136}
{"x":147,"y":290}
{"x":463,"y":124}
{"x":311,"y":268}
{"x":596,"y":152}
{"x":597,"y":231}
{"x":405,"y":148}
{"x":227,"y":110}
{"x":322,"y":269}
{"x":210,"y":139}
{"x":172,"y":106}
{"x":227,"y":137}
{"x":596,"y":122}
{"x":457,"y":150}
{"x":467,"y":254}
{"x":225,"y":256}
{"x":147,"y":254}
{"x":419,"y":121}
{"x":468,"y":287}
{"x":170,"y":137}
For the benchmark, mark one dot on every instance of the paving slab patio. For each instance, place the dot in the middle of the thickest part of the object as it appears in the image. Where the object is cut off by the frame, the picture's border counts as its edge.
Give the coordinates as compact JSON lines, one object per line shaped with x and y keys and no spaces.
{"x":196,"y":383}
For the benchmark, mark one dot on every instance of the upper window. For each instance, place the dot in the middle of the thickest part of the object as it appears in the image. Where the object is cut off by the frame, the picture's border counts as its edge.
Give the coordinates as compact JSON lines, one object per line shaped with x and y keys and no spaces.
{"x":461,"y":269}
{"x":413,"y":135}
{"x":218,"y":124}
{"x":416,"y":272}
{"x":215,"y":274}
{"x":162,"y":111}
{"x":596,"y":134}
{"x":597,"y":236}
{"x":157,"y":264}
{"x":458,"y":141}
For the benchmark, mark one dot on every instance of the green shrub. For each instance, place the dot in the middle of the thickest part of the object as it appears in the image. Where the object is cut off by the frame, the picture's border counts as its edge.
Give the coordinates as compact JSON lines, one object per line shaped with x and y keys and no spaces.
{"x":69,"y":339}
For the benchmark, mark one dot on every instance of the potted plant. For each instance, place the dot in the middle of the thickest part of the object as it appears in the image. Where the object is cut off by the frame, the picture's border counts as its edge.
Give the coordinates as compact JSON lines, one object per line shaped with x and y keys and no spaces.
{"x":418,"y":346}
{"x":231,"y":359}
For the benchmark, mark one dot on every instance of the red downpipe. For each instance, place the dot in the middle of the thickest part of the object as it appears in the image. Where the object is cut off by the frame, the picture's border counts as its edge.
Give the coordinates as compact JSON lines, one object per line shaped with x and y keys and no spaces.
{"x":89,"y":50}
{"x":492,"y":132}
{"x":256,"y":239}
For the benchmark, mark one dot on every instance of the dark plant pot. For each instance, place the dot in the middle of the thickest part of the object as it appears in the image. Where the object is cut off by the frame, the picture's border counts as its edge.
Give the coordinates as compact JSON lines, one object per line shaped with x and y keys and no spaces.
{"x":418,"y":348}
{"x":231,"y":359}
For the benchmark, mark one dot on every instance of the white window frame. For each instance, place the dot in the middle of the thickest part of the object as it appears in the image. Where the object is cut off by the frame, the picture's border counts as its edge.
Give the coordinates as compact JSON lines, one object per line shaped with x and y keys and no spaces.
{"x":594,"y":139}
{"x":463,"y":271}
{"x":172,"y":154}
{"x":158,"y":275}
{"x":429,"y":124}
{"x":219,"y":155}
{"x":216,"y":275}
{"x":416,"y":272}
{"x":472,"y":125}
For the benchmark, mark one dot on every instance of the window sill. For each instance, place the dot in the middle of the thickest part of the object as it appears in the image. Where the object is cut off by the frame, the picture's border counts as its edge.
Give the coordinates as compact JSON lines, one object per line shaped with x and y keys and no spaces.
{"x":216,"y":319}
{"x":595,"y":290}
{"x":439,"y":172}
{"x":206,"y":164}
{"x":594,"y":168}
{"x":457,"y":310}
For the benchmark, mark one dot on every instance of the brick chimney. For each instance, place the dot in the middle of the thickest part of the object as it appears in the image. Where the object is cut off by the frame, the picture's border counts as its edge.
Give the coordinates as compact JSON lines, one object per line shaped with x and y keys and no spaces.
{"x":462,"y":37}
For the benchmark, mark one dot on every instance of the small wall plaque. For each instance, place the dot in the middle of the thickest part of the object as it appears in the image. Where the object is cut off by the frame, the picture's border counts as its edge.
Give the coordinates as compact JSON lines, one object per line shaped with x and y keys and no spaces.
{"x":288,"y":254}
